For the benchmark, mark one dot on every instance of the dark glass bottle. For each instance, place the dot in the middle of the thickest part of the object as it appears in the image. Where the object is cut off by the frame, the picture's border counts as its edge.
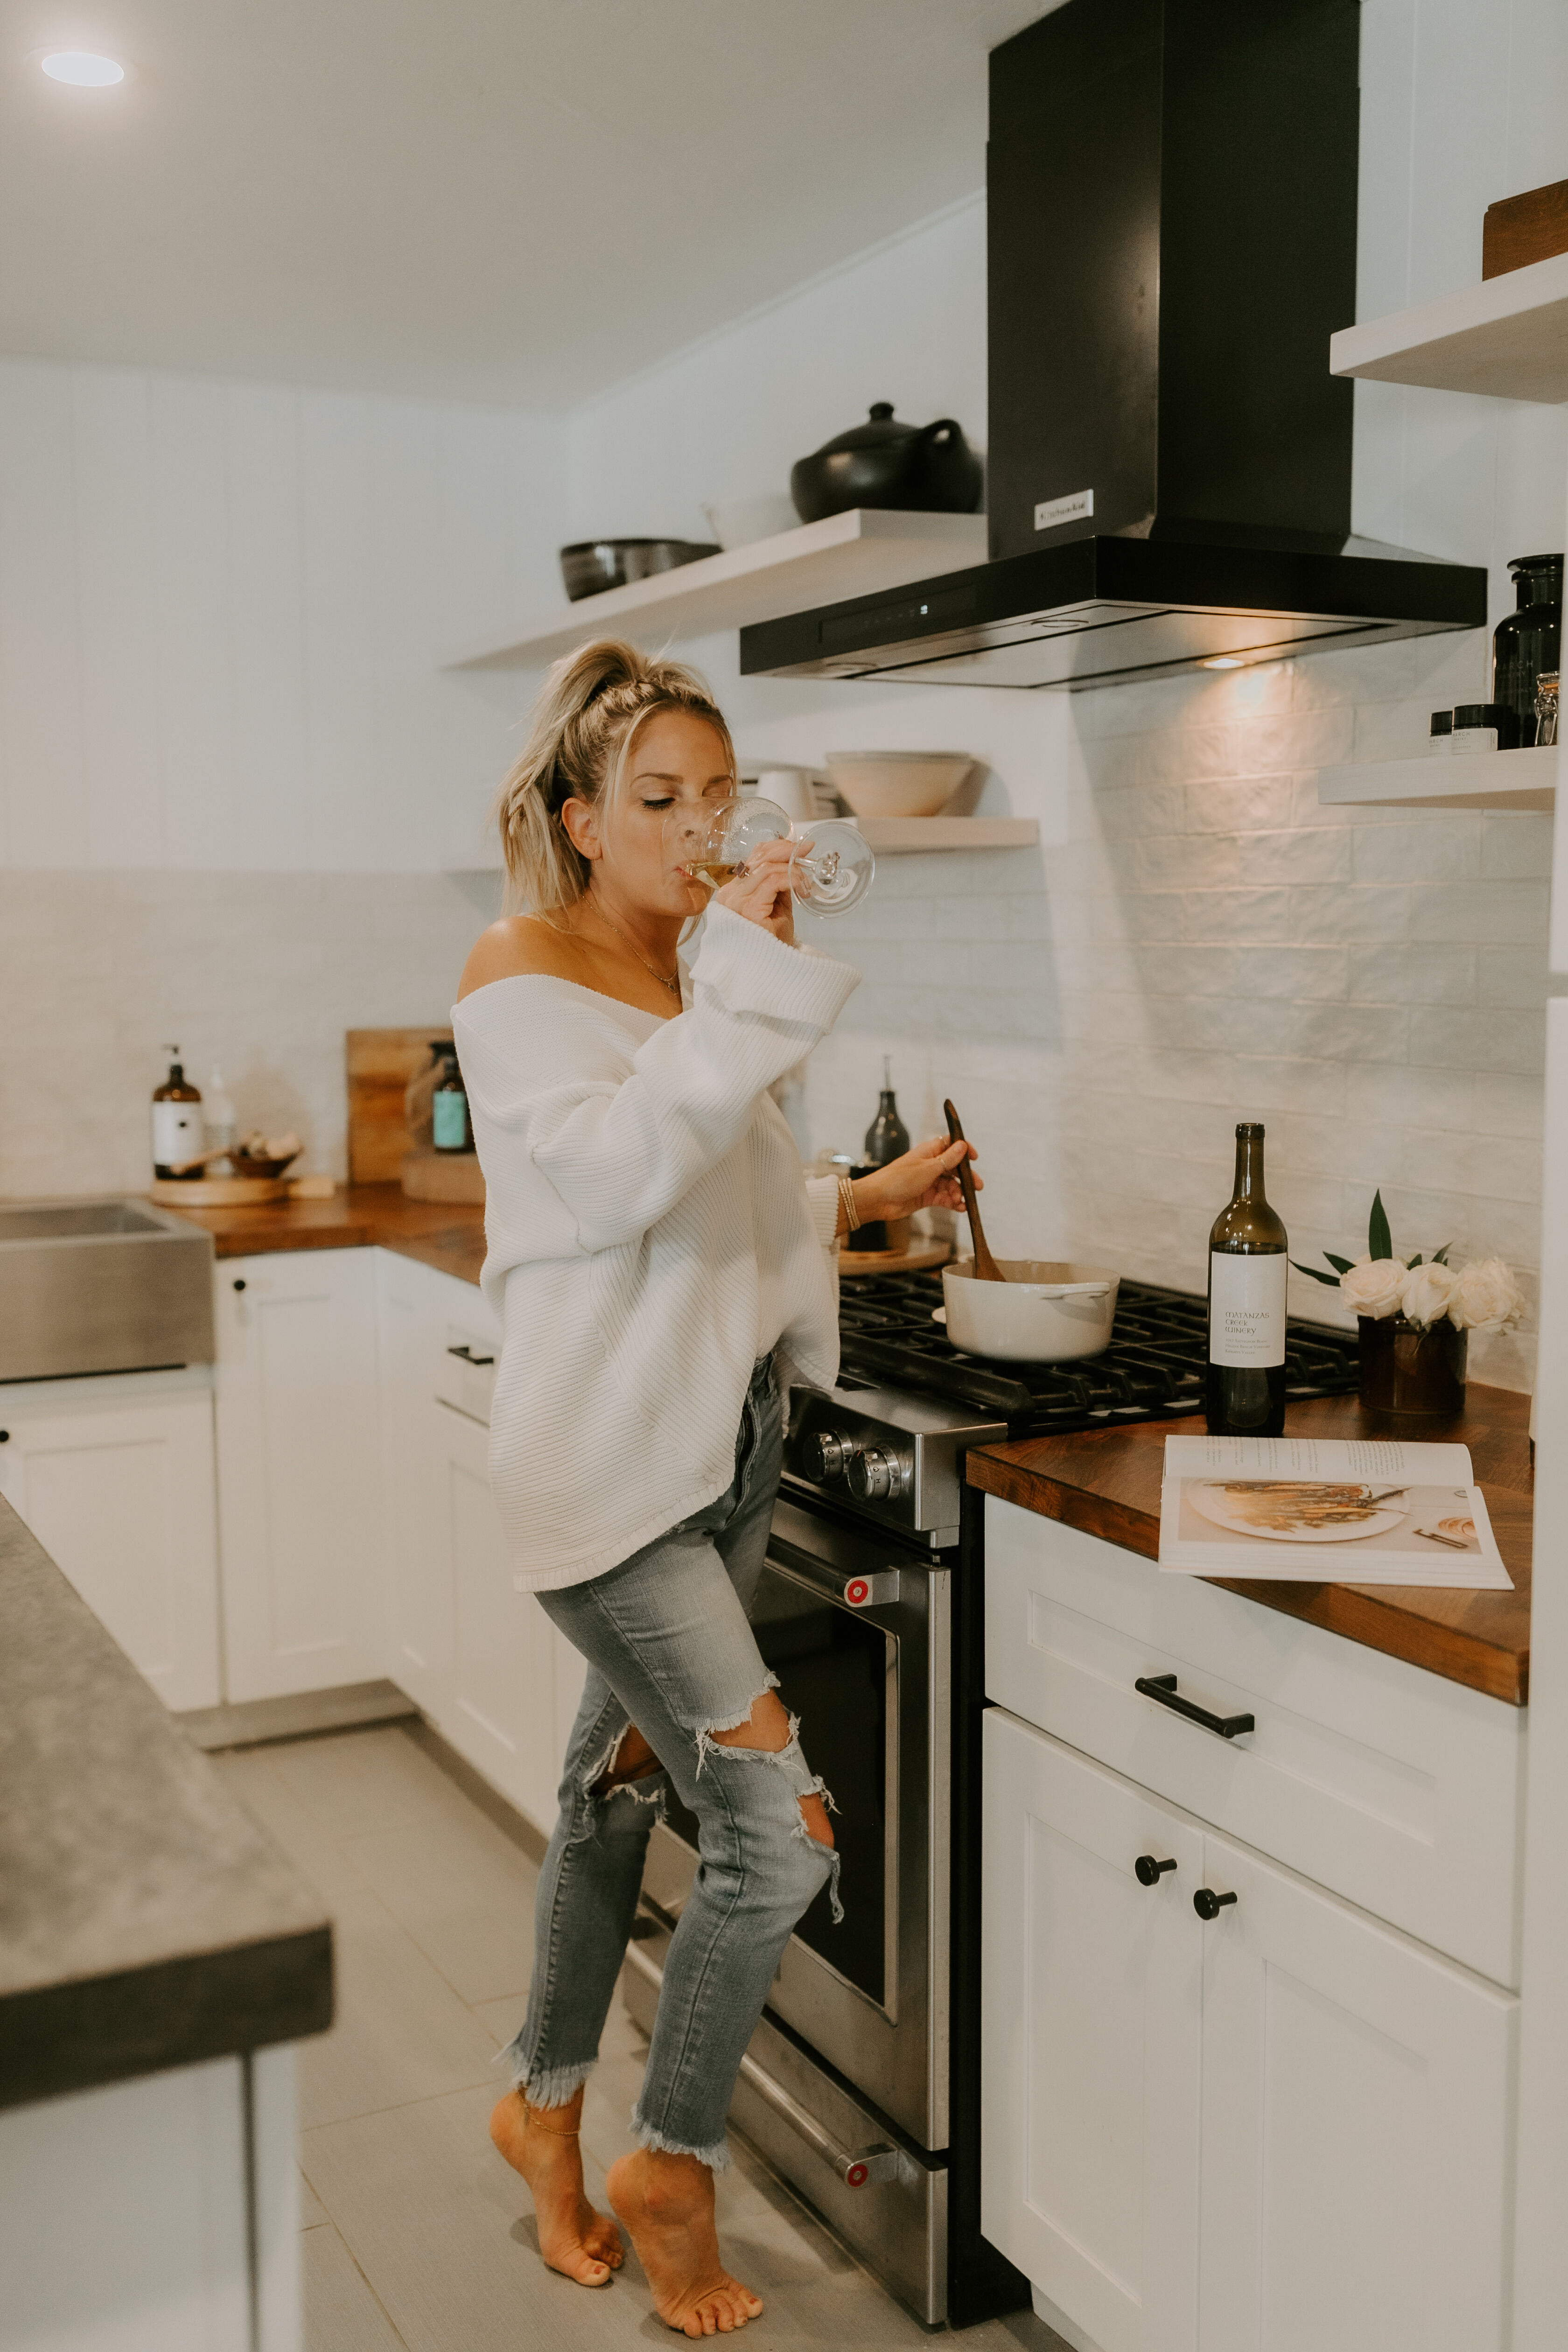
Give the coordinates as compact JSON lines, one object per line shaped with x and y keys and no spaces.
{"x":451,"y":1130}
{"x":176,"y":1121}
{"x":1247,"y":1273}
{"x":887,"y":1138}
{"x":1530,"y":639}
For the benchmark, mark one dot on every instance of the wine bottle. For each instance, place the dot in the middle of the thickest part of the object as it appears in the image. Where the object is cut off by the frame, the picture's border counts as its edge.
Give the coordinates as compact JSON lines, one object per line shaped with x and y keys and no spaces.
{"x":887,"y":1138}
{"x":1248,"y":1272}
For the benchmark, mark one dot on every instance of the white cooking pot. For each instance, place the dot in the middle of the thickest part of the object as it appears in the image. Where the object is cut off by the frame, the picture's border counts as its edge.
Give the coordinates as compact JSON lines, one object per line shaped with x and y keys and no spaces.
{"x":1045,"y":1313}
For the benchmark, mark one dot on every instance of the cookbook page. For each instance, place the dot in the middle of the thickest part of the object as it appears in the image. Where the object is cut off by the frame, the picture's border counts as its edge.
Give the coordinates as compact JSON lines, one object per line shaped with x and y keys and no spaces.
{"x":1327,"y":1511}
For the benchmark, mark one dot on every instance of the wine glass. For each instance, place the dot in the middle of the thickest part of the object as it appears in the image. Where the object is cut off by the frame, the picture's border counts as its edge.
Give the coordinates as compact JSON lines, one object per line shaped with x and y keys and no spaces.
{"x":829,"y":871}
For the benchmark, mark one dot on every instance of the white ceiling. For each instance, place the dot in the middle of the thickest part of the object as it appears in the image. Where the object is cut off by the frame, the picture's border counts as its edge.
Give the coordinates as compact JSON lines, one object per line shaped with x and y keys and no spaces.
{"x":513,"y":202}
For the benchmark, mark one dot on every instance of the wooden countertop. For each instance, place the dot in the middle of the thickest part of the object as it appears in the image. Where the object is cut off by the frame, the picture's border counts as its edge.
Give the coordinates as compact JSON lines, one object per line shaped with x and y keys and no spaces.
{"x":1107,"y":1482}
{"x":443,"y":1233}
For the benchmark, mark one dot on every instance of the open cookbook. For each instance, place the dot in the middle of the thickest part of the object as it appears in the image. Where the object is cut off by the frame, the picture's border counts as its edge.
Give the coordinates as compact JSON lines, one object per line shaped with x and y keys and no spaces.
{"x":1330,"y":1511}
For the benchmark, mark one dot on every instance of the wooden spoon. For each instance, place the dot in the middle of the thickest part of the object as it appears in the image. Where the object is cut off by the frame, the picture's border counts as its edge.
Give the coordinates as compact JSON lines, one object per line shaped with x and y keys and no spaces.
{"x":985,"y":1267}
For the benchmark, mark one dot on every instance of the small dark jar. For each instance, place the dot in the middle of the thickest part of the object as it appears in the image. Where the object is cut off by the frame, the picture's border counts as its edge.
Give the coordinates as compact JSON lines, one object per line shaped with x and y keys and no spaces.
{"x":1530,"y":640}
{"x":1409,"y":1369}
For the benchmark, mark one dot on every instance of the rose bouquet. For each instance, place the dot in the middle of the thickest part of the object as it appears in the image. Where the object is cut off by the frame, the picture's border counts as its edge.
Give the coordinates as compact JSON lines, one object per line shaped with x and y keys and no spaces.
{"x":1415,"y":1315}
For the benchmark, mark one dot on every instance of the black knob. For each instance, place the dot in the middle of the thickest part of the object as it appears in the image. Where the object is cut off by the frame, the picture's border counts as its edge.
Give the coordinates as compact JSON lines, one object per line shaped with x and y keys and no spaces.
{"x":239,"y":1284}
{"x":4,"y":1437}
{"x":1148,"y":1869}
{"x":1208,"y":1905}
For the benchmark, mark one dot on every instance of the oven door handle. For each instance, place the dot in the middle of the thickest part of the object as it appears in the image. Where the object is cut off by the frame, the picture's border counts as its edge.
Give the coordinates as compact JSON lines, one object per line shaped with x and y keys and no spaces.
{"x":854,"y":2166}
{"x":872,"y":1588}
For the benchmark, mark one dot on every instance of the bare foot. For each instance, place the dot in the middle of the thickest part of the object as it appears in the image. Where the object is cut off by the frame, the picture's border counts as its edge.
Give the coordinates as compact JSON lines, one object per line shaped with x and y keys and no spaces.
{"x":666,"y":2205}
{"x":573,"y":2239}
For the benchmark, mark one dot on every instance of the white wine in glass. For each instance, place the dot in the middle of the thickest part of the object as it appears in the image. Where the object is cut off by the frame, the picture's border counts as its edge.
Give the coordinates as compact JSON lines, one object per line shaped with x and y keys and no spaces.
{"x":829,"y":870}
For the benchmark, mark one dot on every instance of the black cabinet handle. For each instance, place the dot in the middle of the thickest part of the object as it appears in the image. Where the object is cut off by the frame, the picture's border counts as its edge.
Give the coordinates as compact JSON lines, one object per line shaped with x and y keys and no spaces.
{"x":4,"y":1437}
{"x":240,"y":1282}
{"x":1208,"y":1905}
{"x":1148,"y":1870}
{"x":1163,"y":1688}
{"x":469,"y":1357}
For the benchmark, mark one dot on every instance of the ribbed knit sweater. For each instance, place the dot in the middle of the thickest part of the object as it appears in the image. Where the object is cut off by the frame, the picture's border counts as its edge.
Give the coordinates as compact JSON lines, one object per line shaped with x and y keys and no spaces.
{"x":648,"y":1236}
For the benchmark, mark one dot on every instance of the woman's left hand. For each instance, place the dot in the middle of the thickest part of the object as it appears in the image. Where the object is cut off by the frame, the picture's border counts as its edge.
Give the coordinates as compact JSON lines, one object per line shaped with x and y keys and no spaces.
{"x":761,"y":891}
{"x":923,"y":1179}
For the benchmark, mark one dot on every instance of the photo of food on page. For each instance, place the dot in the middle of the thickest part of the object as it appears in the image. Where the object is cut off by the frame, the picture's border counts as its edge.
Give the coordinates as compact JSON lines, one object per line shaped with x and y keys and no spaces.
{"x":1346,"y":1511}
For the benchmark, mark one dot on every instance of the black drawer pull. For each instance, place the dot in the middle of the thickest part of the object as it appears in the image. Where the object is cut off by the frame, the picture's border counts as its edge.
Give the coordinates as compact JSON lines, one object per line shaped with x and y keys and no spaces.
{"x":1208,"y":1905}
{"x":1163,"y":1688}
{"x":1148,"y":1870}
{"x":467,"y":1356}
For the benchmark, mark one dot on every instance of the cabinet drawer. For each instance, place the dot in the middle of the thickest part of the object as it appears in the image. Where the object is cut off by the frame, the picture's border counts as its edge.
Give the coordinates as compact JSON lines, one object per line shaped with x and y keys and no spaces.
{"x":1397,"y":1789}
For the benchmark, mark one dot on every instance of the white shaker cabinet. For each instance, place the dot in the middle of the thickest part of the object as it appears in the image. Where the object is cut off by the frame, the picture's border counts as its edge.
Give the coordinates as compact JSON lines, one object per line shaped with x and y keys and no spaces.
{"x":114,"y":1476}
{"x":1310,"y":2107}
{"x":299,"y":1472}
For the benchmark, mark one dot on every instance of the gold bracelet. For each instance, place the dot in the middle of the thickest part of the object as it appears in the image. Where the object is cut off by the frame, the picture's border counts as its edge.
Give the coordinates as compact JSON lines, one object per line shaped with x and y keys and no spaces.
{"x":851,"y":1213}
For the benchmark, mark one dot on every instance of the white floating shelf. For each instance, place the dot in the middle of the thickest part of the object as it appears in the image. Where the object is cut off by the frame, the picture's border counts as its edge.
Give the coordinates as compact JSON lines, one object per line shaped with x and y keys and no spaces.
{"x":854,"y":554}
{"x":896,"y":836}
{"x":1465,"y":780}
{"x":1508,"y":336}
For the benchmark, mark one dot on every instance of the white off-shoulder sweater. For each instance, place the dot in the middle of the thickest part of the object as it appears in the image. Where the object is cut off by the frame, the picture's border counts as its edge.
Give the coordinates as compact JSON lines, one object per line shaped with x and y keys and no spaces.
{"x":648,"y":1236}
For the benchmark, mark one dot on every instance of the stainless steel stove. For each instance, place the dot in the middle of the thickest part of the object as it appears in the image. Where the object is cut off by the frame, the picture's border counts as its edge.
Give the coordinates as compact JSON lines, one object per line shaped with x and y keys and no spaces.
{"x":861,"y":2082}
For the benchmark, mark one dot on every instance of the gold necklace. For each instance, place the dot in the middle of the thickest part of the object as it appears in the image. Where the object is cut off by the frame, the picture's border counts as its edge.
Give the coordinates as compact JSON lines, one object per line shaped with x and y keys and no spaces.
{"x":662,"y":978}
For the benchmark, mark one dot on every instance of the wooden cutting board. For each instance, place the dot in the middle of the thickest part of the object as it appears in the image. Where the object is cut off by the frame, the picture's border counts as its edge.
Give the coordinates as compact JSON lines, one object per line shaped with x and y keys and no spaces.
{"x":379,"y":1064}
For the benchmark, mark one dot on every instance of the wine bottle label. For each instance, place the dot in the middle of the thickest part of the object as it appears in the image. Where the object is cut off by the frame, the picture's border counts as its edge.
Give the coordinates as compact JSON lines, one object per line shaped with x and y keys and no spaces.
{"x":176,"y":1132}
{"x":1246,"y":1308}
{"x":449,"y":1121}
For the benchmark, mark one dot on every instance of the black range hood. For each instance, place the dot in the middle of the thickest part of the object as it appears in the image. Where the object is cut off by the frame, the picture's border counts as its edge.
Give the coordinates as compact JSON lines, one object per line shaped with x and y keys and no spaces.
{"x":1172,"y":201}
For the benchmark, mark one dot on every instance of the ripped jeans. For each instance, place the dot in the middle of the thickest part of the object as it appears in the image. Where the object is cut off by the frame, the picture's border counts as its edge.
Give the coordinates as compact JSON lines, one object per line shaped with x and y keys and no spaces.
{"x":669,"y":1648}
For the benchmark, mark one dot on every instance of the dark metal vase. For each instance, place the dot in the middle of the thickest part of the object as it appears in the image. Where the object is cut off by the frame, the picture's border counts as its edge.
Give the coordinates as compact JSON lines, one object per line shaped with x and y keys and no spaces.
{"x":1405,"y":1368}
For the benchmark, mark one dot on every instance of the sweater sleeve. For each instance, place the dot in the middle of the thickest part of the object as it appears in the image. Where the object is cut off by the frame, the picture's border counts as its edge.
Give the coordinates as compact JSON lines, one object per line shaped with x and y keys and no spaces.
{"x":621,"y":1153}
{"x":822,"y":1199}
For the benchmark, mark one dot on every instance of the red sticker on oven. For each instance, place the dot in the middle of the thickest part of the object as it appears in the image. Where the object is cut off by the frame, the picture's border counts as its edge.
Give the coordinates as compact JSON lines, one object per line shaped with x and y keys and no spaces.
{"x":858,"y":1592}
{"x":856,"y":2175}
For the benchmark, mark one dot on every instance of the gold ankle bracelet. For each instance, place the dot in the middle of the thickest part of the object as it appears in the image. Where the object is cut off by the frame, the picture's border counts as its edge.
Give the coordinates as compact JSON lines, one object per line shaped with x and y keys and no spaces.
{"x":536,"y":2115}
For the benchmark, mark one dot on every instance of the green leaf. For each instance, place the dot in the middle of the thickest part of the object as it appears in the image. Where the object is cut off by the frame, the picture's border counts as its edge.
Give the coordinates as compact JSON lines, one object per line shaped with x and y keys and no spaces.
{"x":1441,"y":1257}
{"x":1379,"y":1241}
{"x":1340,"y":1265}
{"x":1317,"y":1272}
{"x":1416,"y":1259}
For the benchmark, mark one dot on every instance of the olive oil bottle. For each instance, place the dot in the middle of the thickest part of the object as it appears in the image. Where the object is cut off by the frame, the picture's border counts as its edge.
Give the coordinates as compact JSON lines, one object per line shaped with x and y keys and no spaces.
{"x":1248,"y":1272}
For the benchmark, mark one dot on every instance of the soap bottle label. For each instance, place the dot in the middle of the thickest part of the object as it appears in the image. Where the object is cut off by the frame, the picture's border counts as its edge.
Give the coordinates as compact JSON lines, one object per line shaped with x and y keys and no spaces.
{"x":449,"y":1119}
{"x":176,"y":1132}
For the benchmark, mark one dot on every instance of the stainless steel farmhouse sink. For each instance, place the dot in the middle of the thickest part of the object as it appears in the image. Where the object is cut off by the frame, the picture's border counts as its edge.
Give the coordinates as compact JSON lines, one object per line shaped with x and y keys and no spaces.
{"x":102,"y":1286}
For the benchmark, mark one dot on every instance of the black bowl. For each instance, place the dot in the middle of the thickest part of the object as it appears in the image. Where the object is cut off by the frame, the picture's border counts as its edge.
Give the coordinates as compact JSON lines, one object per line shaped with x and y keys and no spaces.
{"x":593,"y":565}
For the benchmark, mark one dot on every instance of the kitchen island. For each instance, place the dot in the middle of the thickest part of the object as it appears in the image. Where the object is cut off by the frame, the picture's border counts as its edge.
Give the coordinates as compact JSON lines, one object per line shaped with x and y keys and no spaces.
{"x":157,"y":1959}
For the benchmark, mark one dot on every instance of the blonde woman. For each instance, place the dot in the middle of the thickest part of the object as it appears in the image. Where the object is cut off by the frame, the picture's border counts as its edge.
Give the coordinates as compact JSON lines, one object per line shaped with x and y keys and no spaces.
{"x":662,"y":1268}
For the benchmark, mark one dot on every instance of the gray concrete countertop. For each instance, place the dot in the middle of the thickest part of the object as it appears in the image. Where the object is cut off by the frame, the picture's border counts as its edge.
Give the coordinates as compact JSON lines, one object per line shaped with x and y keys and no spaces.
{"x":145,"y":1922}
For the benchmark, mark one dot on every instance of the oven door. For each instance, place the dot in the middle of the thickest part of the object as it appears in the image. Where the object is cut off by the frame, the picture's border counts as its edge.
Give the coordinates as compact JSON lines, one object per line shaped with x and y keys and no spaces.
{"x":857,"y":1630}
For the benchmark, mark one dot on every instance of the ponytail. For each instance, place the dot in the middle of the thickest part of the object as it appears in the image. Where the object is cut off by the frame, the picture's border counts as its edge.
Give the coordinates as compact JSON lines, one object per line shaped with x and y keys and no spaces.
{"x":591,"y":704}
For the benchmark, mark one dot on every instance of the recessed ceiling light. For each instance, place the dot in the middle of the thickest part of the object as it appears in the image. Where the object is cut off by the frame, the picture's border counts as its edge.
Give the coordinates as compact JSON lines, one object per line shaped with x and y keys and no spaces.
{"x":81,"y":68}
{"x":1221,"y":661}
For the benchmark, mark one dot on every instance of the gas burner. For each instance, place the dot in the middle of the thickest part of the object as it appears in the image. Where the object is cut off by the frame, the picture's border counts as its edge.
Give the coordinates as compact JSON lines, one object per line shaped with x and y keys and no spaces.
{"x":1152,"y":1371}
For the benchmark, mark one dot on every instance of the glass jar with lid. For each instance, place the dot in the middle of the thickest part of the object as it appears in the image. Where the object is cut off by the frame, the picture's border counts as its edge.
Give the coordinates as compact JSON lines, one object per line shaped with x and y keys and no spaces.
{"x":1528,"y":640}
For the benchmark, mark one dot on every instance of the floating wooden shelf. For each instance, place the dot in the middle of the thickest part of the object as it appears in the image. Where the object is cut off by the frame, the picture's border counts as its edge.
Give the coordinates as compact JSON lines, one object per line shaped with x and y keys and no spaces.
{"x":900,"y":836}
{"x":1508,"y":336}
{"x":854,"y":554}
{"x":1465,"y":780}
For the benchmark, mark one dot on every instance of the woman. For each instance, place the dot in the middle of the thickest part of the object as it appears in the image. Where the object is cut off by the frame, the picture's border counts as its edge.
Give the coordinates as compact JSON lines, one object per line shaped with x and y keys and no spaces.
{"x":662,"y":1268}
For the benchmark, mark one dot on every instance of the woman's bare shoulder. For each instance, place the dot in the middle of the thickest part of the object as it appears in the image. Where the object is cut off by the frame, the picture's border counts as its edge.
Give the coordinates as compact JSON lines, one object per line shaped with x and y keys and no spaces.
{"x":517,"y":945}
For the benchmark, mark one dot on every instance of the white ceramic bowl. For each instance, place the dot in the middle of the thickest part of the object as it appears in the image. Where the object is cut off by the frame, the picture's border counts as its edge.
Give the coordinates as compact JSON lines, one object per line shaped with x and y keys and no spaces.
{"x":898,"y":783}
{"x":737,"y":523}
{"x":1047,"y":1312}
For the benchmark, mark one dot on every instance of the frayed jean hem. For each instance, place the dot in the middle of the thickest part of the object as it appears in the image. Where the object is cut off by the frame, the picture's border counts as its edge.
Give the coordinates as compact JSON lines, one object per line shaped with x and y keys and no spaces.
{"x":543,"y":2087}
{"x":716,"y":2157}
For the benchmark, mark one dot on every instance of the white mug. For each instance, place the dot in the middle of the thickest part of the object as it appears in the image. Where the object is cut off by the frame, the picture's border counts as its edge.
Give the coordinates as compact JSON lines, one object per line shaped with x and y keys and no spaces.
{"x":789,"y":788}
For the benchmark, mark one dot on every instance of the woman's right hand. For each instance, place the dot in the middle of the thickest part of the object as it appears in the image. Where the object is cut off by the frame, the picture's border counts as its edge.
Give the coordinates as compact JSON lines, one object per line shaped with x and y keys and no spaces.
{"x":762,"y":894}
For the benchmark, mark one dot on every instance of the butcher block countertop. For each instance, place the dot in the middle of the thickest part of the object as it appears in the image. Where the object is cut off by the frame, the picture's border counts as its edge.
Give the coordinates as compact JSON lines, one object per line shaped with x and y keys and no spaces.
{"x":443,"y":1233}
{"x":1107,"y":1482}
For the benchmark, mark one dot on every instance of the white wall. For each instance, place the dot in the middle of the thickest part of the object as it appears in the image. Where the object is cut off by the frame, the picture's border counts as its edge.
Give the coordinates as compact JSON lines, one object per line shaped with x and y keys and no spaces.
{"x":1197,"y":941}
{"x":223,"y":608}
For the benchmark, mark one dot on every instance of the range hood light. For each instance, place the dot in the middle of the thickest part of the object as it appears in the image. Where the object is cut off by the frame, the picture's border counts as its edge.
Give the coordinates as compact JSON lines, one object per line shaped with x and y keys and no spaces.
{"x":1222,"y":661}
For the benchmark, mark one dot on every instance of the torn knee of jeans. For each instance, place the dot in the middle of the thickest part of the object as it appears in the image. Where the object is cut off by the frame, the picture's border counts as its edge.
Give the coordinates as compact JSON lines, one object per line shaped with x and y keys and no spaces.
{"x":644,"y":1783}
{"x":827,"y":1853}
{"x":708,"y":1734}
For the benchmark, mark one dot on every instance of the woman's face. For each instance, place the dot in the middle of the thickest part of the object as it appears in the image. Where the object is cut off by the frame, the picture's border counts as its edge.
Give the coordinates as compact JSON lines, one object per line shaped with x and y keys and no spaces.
{"x":676,"y":759}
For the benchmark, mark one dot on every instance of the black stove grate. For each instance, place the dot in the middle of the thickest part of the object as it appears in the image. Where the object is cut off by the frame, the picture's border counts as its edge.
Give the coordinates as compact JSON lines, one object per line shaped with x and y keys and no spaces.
{"x":1153,"y":1370}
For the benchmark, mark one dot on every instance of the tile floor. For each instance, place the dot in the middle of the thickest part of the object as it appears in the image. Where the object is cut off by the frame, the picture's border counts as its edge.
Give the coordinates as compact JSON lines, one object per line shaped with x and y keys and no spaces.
{"x":418,"y":2238}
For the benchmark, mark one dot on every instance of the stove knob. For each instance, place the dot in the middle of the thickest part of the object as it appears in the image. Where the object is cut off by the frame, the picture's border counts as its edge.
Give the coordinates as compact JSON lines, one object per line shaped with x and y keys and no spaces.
{"x":826,"y":1455}
{"x":880,"y":1473}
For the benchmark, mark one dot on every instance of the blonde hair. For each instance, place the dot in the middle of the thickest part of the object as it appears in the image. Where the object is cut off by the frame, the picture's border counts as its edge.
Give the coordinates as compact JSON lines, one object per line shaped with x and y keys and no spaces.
{"x":591,"y":704}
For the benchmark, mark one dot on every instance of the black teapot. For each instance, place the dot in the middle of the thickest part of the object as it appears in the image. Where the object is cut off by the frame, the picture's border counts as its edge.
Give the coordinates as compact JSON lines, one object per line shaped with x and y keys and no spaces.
{"x":930,"y":468}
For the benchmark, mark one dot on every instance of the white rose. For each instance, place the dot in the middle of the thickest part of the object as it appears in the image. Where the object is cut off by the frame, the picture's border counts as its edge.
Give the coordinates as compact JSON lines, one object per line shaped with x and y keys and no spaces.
{"x":1485,"y":1296}
{"x":1371,"y":1287}
{"x":1426,"y":1292}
